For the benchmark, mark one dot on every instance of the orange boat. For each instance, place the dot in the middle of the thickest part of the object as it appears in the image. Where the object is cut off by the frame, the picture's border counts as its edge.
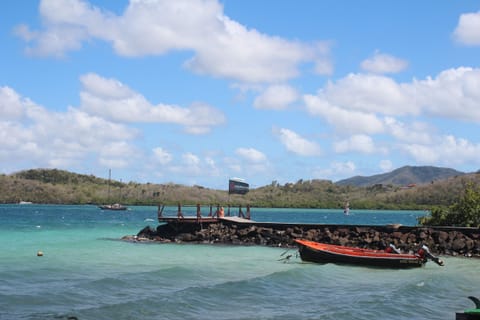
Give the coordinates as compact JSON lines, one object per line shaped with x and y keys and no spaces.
{"x":327,"y":253}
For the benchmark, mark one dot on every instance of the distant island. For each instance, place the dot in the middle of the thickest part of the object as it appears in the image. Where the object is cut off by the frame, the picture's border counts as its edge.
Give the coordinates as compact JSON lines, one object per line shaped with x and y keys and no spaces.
{"x":408,"y":187}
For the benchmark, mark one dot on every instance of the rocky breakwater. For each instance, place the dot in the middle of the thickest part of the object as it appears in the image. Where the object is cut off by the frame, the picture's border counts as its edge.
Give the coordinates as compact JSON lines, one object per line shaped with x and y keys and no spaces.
{"x":443,"y":241}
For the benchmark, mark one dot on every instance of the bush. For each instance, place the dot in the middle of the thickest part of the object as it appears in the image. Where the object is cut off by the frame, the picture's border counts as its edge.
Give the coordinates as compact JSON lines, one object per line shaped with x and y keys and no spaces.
{"x":463,"y":213}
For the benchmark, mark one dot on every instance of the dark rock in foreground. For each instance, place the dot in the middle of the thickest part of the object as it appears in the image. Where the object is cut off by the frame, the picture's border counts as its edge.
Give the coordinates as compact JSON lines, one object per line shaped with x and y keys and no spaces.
{"x":443,"y":241}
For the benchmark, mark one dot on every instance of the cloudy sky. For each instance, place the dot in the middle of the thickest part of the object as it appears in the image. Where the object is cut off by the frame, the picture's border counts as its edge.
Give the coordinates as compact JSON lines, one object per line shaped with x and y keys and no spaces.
{"x":197,"y":91}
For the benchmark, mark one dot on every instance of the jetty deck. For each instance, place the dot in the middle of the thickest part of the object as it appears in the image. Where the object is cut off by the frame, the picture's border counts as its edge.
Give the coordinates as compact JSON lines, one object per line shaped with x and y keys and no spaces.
{"x":194,"y":219}
{"x":212,"y":217}
{"x":237,"y":220}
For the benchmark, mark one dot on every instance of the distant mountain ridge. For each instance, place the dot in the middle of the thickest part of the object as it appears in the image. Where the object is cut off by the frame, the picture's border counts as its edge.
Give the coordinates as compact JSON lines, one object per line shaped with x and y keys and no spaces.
{"x":403,"y":176}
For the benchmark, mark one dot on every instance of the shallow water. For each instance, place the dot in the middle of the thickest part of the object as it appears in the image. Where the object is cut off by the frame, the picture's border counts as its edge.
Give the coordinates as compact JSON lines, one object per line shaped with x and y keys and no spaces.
{"x":87,"y":273}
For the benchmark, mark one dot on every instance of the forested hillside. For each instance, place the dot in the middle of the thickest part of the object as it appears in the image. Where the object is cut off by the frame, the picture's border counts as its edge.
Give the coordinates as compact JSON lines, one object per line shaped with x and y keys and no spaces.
{"x":62,"y":187}
{"x":404,"y":176}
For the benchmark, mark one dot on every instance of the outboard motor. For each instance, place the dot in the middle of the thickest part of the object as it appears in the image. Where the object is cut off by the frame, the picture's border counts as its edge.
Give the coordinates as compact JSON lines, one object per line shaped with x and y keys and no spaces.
{"x":424,"y":252}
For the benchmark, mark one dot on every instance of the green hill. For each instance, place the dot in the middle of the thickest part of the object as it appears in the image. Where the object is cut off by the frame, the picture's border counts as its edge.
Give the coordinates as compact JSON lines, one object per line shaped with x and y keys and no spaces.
{"x":403,"y":176}
{"x":63,"y":187}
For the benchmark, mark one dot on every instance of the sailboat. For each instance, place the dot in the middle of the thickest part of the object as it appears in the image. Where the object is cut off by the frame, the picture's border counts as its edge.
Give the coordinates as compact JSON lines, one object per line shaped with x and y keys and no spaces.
{"x":114,"y":206}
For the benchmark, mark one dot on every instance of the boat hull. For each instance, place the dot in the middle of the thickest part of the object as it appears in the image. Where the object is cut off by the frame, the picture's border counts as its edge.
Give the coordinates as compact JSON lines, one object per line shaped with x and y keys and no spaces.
{"x":115,"y":207}
{"x":323,"y":253}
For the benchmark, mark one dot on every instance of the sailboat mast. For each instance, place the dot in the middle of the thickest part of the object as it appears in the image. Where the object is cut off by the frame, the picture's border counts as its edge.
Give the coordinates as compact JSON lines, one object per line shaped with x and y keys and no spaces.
{"x":109,"y":177}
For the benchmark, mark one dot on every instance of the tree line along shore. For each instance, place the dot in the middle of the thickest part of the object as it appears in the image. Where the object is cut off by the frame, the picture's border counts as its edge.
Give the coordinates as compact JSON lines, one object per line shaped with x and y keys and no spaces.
{"x":52,"y":186}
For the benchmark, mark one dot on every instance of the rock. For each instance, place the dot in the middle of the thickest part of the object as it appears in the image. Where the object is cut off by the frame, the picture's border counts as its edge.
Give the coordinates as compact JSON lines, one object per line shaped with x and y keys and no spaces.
{"x":343,"y":241}
{"x":265,"y":232}
{"x":394,"y":226}
{"x":185,"y":237}
{"x":397,"y":234}
{"x":147,"y":232}
{"x":412,"y":238}
{"x":470,"y":244}
{"x":252,"y":231}
{"x":296,"y":235}
{"x":361,"y":230}
{"x":442,"y":235}
{"x":455,"y":242}
{"x":458,"y":244}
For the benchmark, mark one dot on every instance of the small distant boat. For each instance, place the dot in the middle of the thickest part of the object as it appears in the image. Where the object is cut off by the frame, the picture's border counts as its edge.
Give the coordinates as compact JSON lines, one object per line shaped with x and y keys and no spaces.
{"x":25,"y":202}
{"x":115,"y":206}
{"x":327,"y":253}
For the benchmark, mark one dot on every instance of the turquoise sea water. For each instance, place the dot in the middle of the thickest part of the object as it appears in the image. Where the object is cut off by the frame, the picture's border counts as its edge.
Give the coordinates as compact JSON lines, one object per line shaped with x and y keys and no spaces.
{"x":87,"y":273}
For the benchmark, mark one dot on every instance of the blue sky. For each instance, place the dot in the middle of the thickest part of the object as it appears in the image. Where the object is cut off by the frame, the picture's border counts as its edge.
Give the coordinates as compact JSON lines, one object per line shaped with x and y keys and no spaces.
{"x":196,"y":92}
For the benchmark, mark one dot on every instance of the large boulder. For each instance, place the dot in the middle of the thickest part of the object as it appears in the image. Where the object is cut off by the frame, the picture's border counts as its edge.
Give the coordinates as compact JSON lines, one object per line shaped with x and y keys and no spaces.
{"x":147,"y":232}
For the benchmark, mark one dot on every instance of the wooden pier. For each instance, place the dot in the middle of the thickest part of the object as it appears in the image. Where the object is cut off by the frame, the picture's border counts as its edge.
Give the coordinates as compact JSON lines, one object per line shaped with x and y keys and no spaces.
{"x":211,"y":217}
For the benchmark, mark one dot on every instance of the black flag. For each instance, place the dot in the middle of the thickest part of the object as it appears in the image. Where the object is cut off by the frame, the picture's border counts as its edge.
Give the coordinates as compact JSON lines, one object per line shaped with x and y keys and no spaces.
{"x":237,"y":186}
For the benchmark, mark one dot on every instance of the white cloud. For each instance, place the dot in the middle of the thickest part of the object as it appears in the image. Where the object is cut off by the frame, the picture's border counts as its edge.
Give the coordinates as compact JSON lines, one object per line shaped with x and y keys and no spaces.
{"x":276,"y":97}
{"x":210,"y":162}
{"x":370,"y":93}
{"x":54,"y":43}
{"x":251,"y":154}
{"x":33,"y":135}
{"x":424,"y":154}
{"x":468,"y":29}
{"x":190,"y":159}
{"x":248,"y":164}
{"x":324,"y":66}
{"x":356,"y":103}
{"x":16,"y":138}
{"x":189,"y":168}
{"x":414,"y":132}
{"x":297,"y":144}
{"x":118,"y":154}
{"x":386,"y":165}
{"x":384,"y":63}
{"x":453,"y":94}
{"x":113,"y":100}
{"x":221,"y":47}
{"x":446,"y":150}
{"x":162,"y":156}
{"x":193,"y":166}
{"x":356,"y":143}
{"x":190,"y":165}
{"x":343,"y":120}
{"x":336,"y":171}
{"x":11,"y":104}
{"x":249,"y":56}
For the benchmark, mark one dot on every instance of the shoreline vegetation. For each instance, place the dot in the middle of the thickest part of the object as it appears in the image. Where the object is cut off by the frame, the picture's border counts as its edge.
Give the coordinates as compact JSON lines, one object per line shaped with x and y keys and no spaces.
{"x":53,"y":186}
